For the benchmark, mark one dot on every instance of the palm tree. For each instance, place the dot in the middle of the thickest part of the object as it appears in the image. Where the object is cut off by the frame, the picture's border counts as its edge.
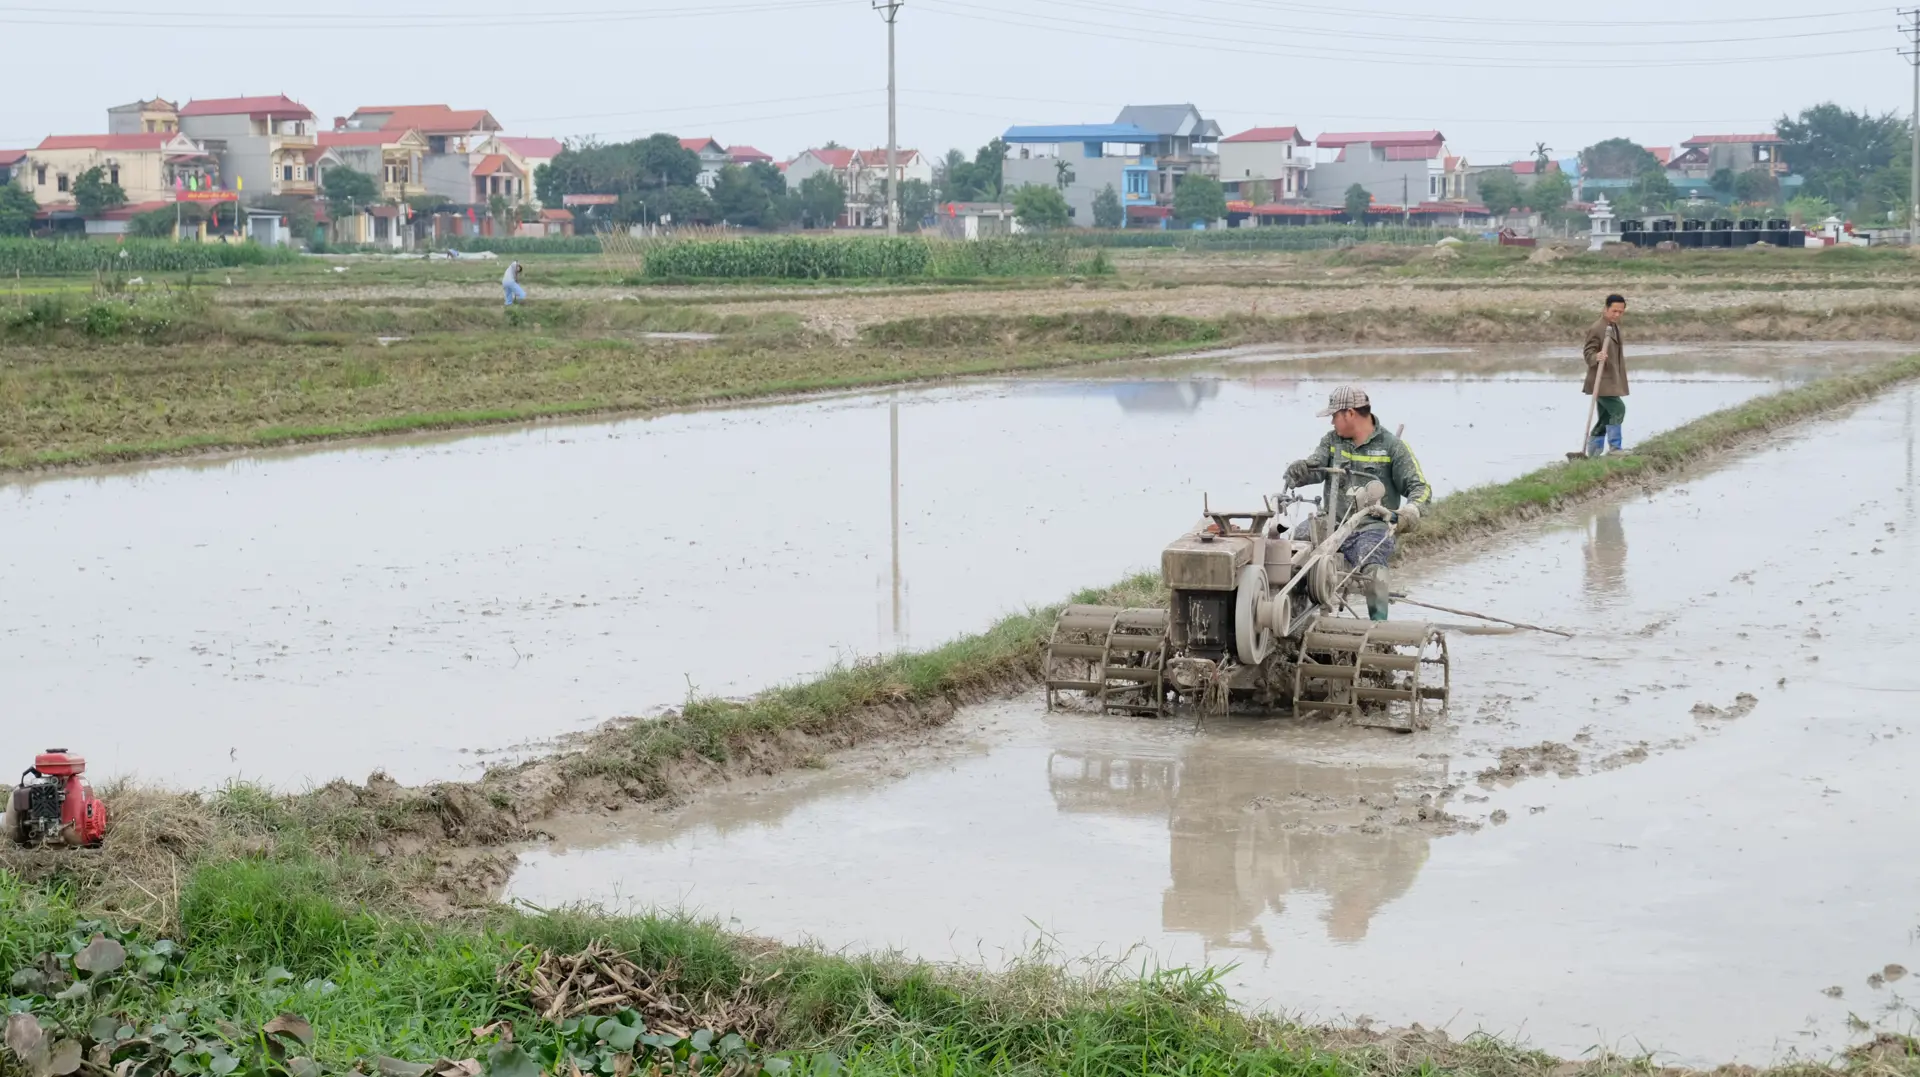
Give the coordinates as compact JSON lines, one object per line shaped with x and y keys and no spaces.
{"x":1542,"y":158}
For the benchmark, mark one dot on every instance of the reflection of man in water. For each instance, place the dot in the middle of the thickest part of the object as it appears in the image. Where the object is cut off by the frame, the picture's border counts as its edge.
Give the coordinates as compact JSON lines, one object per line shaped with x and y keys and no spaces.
{"x":1606,"y":559}
{"x":1246,"y":831}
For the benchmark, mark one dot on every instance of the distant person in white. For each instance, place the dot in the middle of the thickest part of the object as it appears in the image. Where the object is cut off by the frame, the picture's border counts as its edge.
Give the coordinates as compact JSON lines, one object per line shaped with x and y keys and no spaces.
{"x":511,"y":282}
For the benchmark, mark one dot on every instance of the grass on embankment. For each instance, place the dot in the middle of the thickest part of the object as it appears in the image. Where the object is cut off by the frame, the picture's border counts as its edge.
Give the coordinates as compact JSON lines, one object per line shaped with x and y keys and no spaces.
{"x":61,"y":405}
{"x":291,"y":934}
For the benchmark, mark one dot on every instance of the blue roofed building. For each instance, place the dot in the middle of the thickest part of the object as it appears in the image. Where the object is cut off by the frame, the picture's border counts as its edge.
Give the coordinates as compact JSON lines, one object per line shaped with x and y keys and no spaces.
{"x":1143,"y":155}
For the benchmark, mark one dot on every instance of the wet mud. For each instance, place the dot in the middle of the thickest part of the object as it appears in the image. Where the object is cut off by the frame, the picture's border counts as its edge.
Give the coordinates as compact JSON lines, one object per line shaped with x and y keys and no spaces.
{"x":432,"y":605}
{"x":1682,"y":831}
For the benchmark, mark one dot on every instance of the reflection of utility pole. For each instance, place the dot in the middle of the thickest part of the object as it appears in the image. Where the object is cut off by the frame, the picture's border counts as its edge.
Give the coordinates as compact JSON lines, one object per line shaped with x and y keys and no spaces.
{"x":893,"y":455}
{"x":890,"y":10}
{"x":1912,"y":30}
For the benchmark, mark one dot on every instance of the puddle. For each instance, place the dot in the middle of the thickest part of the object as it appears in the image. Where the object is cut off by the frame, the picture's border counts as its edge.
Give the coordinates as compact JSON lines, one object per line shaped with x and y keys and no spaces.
{"x":297,"y":616}
{"x":1672,"y":833}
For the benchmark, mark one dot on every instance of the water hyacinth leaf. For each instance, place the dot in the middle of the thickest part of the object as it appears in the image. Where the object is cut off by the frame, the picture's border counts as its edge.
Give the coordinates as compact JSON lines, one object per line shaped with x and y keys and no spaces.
{"x":618,"y":1034}
{"x":103,"y":1028}
{"x":506,"y":1061}
{"x":32,"y":981}
{"x":775,"y":1066}
{"x":24,"y":1034}
{"x":702,"y":1039}
{"x":63,"y":1059}
{"x":101,"y":956}
{"x":303,"y":1067}
{"x":277,"y":975}
{"x":396,"y":1067}
{"x":222,"y":1064}
{"x":732,"y":1043}
{"x":75,"y":991}
{"x":290,"y":1024}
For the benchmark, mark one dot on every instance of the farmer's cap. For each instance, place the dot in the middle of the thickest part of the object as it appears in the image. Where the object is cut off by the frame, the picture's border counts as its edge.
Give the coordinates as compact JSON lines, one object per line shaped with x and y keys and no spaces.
{"x":1346,"y":396}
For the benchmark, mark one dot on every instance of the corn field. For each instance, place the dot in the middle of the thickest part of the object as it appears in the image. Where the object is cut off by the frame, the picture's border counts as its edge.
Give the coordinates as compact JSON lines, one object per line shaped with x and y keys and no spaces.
{"x":36,"y":257}
{"x":855,"y":257}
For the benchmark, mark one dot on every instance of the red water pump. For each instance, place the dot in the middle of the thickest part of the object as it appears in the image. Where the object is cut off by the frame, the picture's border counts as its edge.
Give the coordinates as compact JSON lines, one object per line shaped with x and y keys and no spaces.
{"x":54,"y":805}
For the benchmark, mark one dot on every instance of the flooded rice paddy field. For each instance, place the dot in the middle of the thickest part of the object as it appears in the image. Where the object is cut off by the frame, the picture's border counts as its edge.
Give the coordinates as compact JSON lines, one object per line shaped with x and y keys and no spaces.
{"x":1687,"y":830}
{"x":424,"y":605}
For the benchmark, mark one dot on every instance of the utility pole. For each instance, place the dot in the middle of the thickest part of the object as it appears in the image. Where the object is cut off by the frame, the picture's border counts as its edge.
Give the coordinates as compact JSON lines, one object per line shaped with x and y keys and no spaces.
{"x":1912,"y":30}
{"x":890,"y":11}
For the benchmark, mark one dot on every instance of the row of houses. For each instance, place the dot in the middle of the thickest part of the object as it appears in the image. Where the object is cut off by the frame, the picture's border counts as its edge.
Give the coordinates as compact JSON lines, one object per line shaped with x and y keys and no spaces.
{"x":238,"y":154}
{"x":1276,"y":174}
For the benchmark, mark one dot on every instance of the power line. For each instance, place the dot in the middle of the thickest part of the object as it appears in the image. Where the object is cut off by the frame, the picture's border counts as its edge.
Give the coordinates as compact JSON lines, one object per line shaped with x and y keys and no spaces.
{"x":695,"y":108}
{"x":1170,"y":38}
{"x":1374,"y":14}
{"x":1188,"y":18}
{"x":225,"y":21}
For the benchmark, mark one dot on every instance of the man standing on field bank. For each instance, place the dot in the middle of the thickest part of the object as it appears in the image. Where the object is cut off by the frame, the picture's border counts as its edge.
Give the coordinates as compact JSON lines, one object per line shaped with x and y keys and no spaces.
{"x":1607,"y":377}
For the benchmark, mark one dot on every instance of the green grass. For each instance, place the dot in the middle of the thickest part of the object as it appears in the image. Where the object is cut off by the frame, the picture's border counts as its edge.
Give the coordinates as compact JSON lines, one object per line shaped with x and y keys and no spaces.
{"x":263,"y":936}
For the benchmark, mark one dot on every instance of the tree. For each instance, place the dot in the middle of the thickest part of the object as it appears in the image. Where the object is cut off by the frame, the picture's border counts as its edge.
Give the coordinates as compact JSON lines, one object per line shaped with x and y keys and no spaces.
{"x":1651,"y":192}
{"x":297,"y":211}
{"x":960,"y":180}
{"x":1550,"y":194}
{"x":1500,"y":192}
{"x":1723,"y":181}
{"x":94,"y":194}
{"x":1841,"y":152}
{"x":1542,"y":159}
{"x":639,"y":173}
{"x":1358,"y":201}
{"x":740,"y":197}
{"x":1617,"y":158}
{"x":1040,"y":208}
{"x":343,"y":187}
{"x":1808,"y":210}
{"x":546,"y":187}
{"x":1063,"y":176}
{"x":1756,"y":186}
{"x":1106,"y":208}
{"x":1199,"y":198}
{"x":821,"y":200}
{"x":17,"y":208}
{"x":916,"y":202}
{"x":686,"y":204}
{"x":502,"y":213}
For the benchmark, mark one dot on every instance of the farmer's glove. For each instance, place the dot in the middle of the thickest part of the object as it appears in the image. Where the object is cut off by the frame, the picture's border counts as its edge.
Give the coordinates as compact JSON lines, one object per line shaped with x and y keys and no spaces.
{"x":1409,"y":520}
{"x":1299,"y":473}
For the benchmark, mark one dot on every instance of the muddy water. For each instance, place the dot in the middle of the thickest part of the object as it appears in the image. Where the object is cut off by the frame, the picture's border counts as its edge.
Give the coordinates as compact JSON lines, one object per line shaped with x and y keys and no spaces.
{"x":300,"y":616}
{"x":1674,"y":832}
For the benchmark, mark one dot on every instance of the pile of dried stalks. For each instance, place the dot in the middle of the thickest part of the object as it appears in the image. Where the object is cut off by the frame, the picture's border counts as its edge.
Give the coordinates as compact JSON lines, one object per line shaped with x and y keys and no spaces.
{"x":601,"y":982}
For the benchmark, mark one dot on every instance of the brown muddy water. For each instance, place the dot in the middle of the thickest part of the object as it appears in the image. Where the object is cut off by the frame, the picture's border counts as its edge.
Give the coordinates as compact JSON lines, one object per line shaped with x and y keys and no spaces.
{"x":1687,"y":830}
{"x":426,"y":605}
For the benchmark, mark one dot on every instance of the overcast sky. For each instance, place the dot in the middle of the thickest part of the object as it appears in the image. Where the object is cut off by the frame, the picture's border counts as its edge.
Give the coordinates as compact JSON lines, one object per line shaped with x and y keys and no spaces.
{"x":1495,"y":76}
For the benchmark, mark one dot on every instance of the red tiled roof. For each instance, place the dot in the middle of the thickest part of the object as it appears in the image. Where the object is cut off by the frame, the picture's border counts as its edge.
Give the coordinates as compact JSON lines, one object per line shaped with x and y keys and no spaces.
{"x":437,"y":119}
{"x":699,"y":145}
{"x":556,"y":215}
{"x":835,"y":158}
{"x":1337,"y":139}
{"x":1529,"y":168}
{"x":492,"y":163}
{"x":9,"y":157}
{"x":134,"y":209}
{"x":1277,"y":210}
{"x":1450,"y":163}
{"x":748,"y":153}
{"x":535,"y":148}
{"x":279,"y":105}
{"x":1269,"y":134}
{"x":1711,"y":140}
{"x":878,"y":158}
{"x":1421,"y":152}
{"x":1662,"y":154}
{"x":330,"y":139}
{"x":122,"y":143}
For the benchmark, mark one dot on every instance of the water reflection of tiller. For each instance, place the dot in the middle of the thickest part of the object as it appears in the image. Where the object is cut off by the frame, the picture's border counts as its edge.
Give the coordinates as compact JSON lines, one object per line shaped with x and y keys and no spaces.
{"x":1260,"y":620}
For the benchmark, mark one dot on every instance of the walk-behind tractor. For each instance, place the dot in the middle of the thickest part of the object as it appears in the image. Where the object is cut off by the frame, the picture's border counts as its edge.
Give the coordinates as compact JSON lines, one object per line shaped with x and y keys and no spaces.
{"x":1262,"y":621}
{"x":54,"y":805}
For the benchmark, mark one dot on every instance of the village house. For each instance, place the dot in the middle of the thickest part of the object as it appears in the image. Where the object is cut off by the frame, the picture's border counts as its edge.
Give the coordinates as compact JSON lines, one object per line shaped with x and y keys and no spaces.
{"x":534,"y":154}
{"x":11,"y":164}
{"x":1266,"y":164}
{"x":848,"y":169}
{"x":1398,"y":168}
{"x":713,"y":157}
{"x":148,"y":167}
{"x":1083,"y":160}
{"x":261,"y":143}
{"x":392,"y":159}
{"x":448,"y":169}
{"x":157,"y":116}
{"x":747,"y":155}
